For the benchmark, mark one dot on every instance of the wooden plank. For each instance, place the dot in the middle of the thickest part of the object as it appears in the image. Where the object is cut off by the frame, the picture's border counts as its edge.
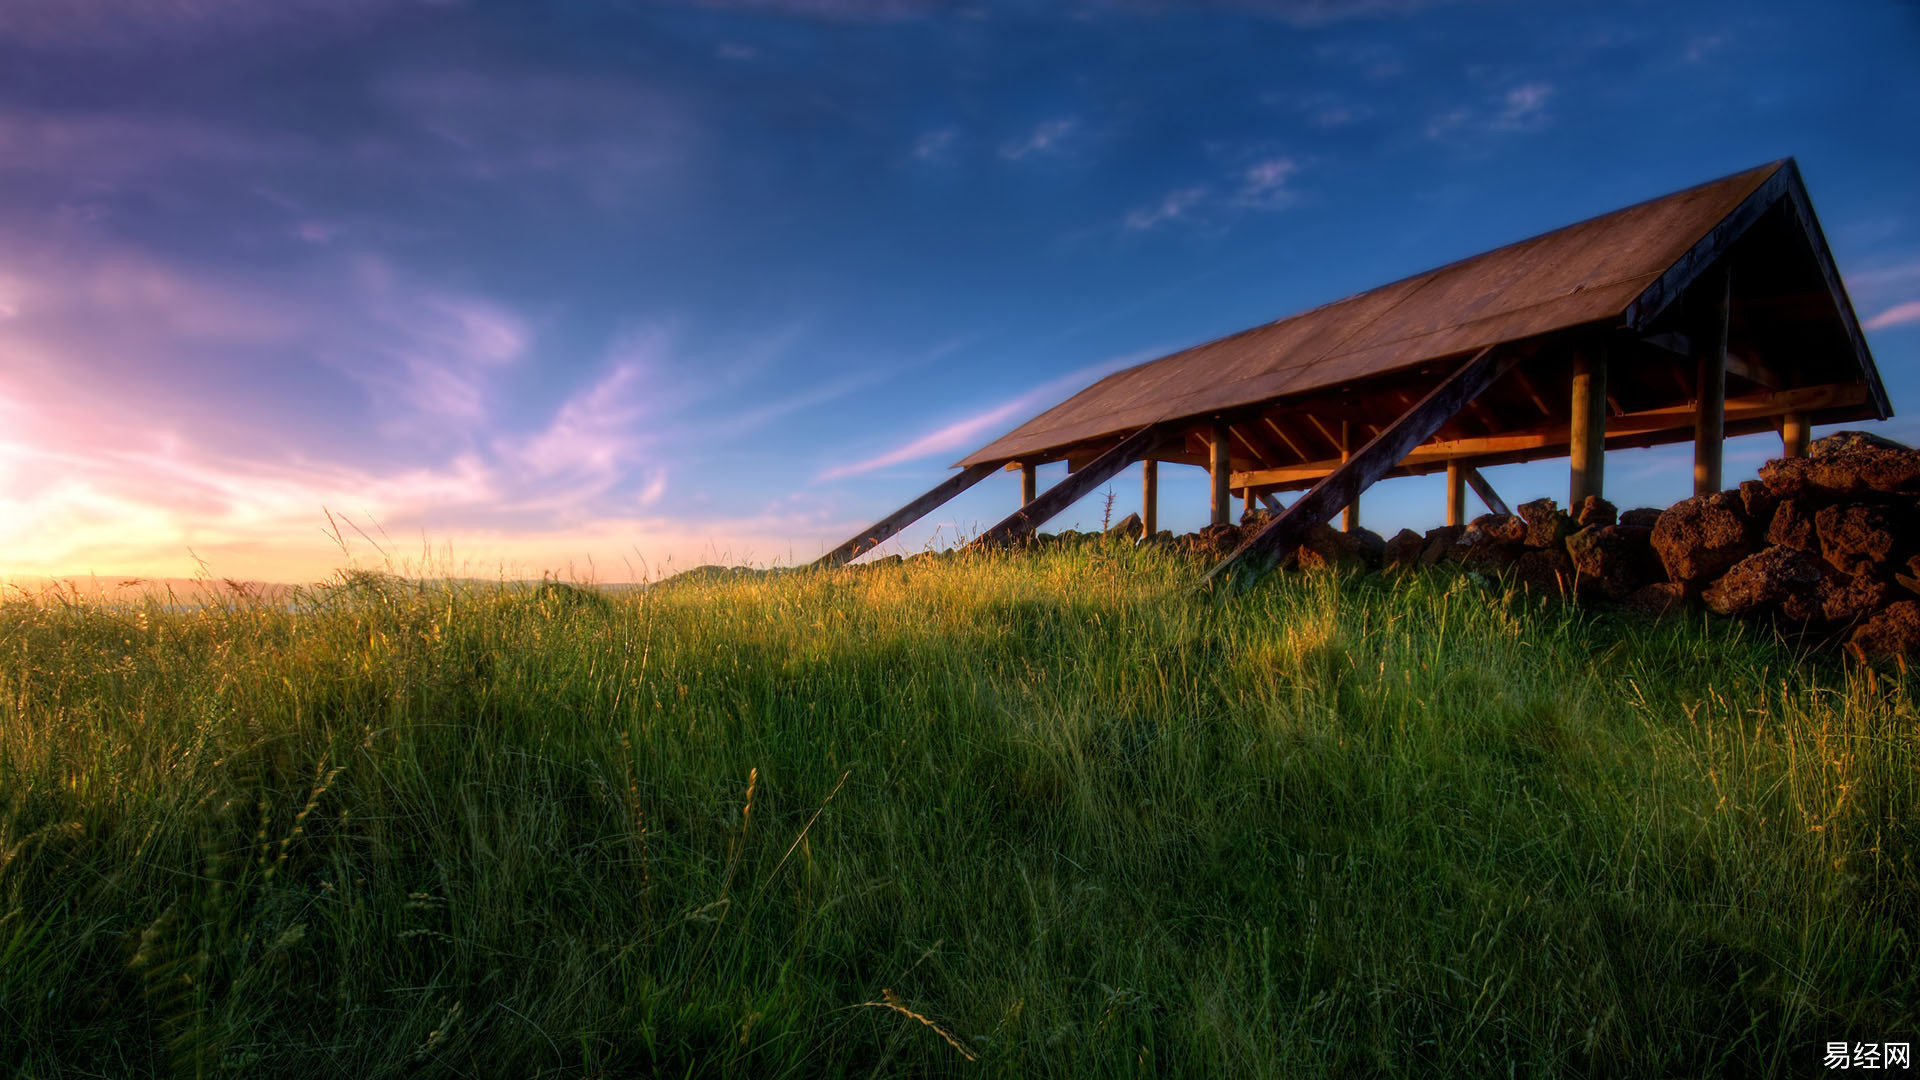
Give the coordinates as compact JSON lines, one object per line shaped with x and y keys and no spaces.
{"x":1149,"y":497}
{"x":1495,"y":504}
{"x":1349,"y":517}
{"x":1281,"y":433}
{"x":887,"y":526}
{"x":1793,"y":435}
{"x":1622,"y":432}
{"x":1065,"y":493}
{"x":1218,"y":467}
{"x":1272,"y":502}
{"x":1710,"y":383}
{"x":1028,"y":481}
{"x":1456,"y":492}
{"x":1587,"y":439}
{"x":1372,"y":461}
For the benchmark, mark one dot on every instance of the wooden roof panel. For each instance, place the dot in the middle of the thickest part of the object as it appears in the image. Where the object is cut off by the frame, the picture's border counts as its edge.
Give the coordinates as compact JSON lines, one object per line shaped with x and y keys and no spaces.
{"x":1583,"y":273}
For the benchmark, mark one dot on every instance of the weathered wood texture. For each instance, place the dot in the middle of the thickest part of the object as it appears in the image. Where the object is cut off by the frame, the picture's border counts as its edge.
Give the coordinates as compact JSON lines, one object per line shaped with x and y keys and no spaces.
{"x":1649,"y":427}
{"x":887,"y":526}
{"x":1587,"y":442}
{"x":1710,"y":381}
{"x":1372,"y":461}
{"x":1793,"y":435}
{"x":1149,"y":497}
{"x":1077,"y":484}
{"x":1349,"y":517}
{"x":1495,"y":504}
{"x":1219,"y":465}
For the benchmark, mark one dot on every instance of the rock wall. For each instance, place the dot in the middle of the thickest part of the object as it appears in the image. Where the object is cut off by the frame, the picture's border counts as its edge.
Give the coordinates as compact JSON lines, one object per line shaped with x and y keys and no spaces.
{"x":1825,"y":547}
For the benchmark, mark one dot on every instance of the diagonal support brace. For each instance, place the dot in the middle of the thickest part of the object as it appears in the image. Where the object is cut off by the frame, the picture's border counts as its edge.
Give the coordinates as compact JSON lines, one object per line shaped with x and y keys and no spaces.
{"x":877,"y":533}
{"x":1023,"y":521}
{"x":1340,"y":487}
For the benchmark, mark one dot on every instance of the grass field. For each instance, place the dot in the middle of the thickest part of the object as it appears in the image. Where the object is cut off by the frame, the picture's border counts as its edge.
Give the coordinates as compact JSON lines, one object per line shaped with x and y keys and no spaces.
{"x":1051,"y":815}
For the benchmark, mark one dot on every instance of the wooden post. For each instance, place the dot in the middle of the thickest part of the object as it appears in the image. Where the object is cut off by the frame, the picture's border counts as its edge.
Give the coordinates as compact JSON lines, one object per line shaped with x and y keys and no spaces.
{"x":1065,"y":493}
{"x":1372,"y":461}
{"x":1149,"y":498}
{"x":906,"y":515}
{"x":1350,"y":517}
{"x":1587,"y":441}
{"x":1029,"y":482}
{"x":1218,"y":468}
{"x":1793,"y":435}
{"x":1248,"y":502}
{"x":1456,"y":493}
{"x":1710,"y":383}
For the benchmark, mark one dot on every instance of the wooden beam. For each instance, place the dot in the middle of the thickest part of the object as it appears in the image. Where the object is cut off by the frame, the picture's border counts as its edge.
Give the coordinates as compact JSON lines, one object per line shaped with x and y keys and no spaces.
{"x":1624,"y":431}
{"x":1532,"y":392}
{"x":1028,"y":482}
{"x":1495,"y":504}
{"x":1272,"y":502}
{"x":1280,"y":432}
{"x":1219,"y":467}
{"x":1587,"y":439}
{"x":1456,"y":492}
{"x":1349,"y":517}
{"x":1793,"y":435}
{"x":1149,"y":498}
{"x":887,"y":526}
{"x":1065,"y":493}
{"x":1372,"y":461}
{"x":1710,"y":383}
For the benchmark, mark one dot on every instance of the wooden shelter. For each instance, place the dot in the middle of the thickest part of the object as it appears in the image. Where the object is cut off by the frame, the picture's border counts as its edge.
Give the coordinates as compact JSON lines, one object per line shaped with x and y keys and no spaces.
{"x":1709,"y":312}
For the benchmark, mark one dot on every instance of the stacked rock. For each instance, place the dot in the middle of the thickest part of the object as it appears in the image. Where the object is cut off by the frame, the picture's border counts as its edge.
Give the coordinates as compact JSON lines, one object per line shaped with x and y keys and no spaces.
{"x":1827,"y":546}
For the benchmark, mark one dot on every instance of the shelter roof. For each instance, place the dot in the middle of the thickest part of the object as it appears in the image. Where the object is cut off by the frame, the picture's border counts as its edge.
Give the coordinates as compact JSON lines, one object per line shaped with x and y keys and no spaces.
{"x":1623,"y":268}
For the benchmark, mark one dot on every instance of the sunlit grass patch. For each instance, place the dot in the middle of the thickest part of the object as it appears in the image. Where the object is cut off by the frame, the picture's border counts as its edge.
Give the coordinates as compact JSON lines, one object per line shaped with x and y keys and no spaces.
{"x":1055,"y":814}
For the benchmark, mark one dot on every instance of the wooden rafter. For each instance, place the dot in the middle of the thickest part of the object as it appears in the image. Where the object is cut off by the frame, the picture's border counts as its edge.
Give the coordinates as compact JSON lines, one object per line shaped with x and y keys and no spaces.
{"x":1372,"y":461}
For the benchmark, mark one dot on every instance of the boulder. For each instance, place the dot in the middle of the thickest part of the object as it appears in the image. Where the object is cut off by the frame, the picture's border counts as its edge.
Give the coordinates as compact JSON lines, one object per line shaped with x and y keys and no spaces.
{"x":1594,"y":510}
{"x":1442,"y":545}
{"x":1762,"y":581}
{"x":1255,"y":518}
{"x":1641,"y":515}
{"x":1845,"y":599}
{"x":1217,"y":541}
{"x":1792,"y":525}
{"x":1127,"y":528}
{"x":1611,"y":561}
{"x":1856,"y":538}
{"x":1372,"y":546}
{"x":1698,"y":539}
{"x":1756,"y":501}
{"x":1657,"y":599}
{"x":1895,"y":631}
{"x":1327,"y":548}
{"x":1843,"y":464}
{"x":1547,"y":527}
{"x":1403,"y":551}
{"x":1497,"y":528}
{"x":1545,"y":570}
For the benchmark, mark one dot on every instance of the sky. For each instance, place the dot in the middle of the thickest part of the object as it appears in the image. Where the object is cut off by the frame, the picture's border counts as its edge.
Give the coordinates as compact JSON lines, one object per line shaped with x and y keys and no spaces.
{"x":610,"y":290}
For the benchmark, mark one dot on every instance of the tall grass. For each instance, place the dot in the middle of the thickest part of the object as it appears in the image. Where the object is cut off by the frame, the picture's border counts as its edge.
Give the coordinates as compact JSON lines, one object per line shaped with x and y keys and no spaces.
{"x":1050,"y":815}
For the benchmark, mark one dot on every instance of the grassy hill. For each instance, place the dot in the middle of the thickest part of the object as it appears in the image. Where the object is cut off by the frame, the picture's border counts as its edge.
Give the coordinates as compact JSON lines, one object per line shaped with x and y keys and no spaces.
{"x":1050,"y":815}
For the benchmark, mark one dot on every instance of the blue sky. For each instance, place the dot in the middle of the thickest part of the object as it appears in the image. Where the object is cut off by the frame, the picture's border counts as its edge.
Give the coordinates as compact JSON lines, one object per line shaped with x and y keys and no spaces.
{"x":631,"y":287}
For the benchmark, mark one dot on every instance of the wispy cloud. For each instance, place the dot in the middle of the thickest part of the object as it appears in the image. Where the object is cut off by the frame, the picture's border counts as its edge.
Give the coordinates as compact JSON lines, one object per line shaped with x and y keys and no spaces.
{"x":1520,"y":108}
{"x":1175,"y":205}
{"x":934,"y":145}
{"x":1263,"y":185}
{"x":1045,"y":138}
{"x":1523,"y":107}
{"x":973,"y":430}
{"x":1897,"y":315}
